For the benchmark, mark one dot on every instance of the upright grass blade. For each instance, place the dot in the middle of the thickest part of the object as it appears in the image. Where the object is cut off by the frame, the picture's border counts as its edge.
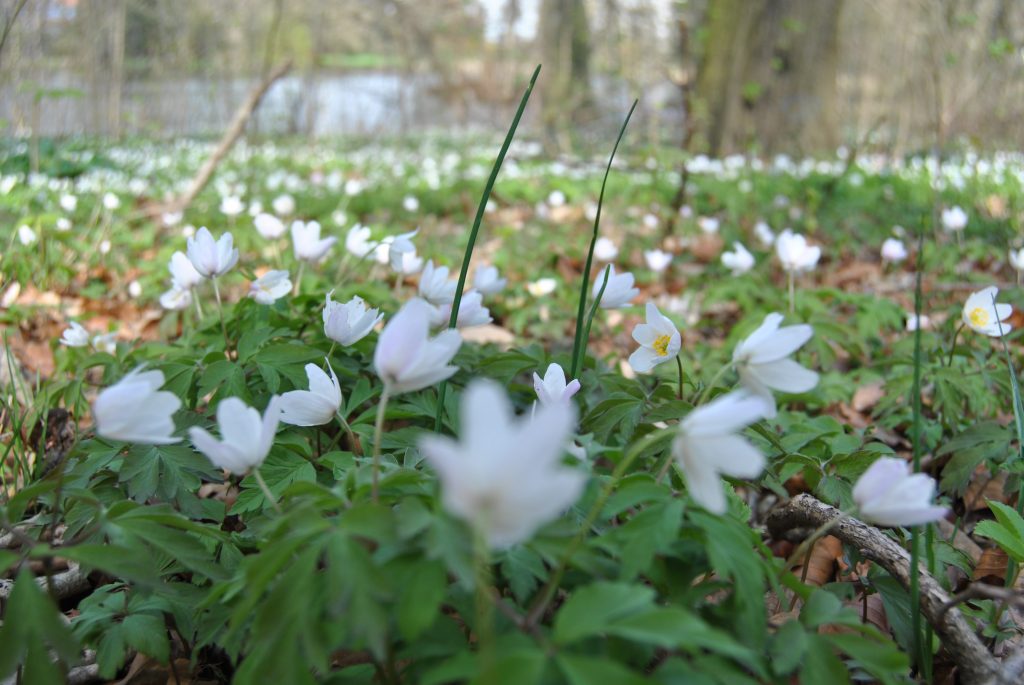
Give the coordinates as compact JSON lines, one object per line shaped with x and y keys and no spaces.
{"x":915,"y":538}
{"x":476,"y":228}
{"x":579,"y":344}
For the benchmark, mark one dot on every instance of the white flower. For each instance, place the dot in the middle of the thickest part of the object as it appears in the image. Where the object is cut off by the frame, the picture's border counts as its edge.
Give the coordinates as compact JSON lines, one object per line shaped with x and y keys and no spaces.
{"x":406,"y":358}
{"x":954,"y":219}
{"x":488,"y":281}
{"x":794,"y":253}
{"x":111,"y":201}
{"x":913,"y":322}
{"x":212,"y":258}
{"x":176,"y":298}
{"x":357,"y":241}
{"x":553,"y":388}
{"x":171,"y":218}
{"x":231,"y":205}
{"x":246,"y":437}
{"x":434,"y":286}
{"x":981,"y":314}
{"x":270,"y":287}
{"x":890,"y":495}
{"x":268,"y":226}
{"x":472,"y":311}
{"x":739,"y":261}
{"x":135,"y":289}
{"x":350,"y":322}
{"x":105,"y":342}
{"x":893,"y":250}
{"x":68,"y":203}
{"x":619,"y":291}
{"x":657,"y":260}
{"x":283,"y":205}
{"x":542,"y":287}
{"x":410,"y":203}
{"x":405,"y":263}
{"x":505,"y":477}
{"x":26,"y":236}
{"x":1017,"y":259}
{"x":63,"y":224}
{"x":764,"y":234}
{"x":75,"y":336}
{"x":605,"y":250}
{"x":134,"y":410}
{"x":316,"y":406}
{"x":183,"y":275}
{"x":763,"y":363}
{"x":650,"y":221}
{"x":659,"y":341}
{"x":105,"y":247}
{"x":255,"y":208}
{"x":308,"y":245}
{"x":708,"y":446}
{"x":708,"y":224}
{"x":556,"y":198}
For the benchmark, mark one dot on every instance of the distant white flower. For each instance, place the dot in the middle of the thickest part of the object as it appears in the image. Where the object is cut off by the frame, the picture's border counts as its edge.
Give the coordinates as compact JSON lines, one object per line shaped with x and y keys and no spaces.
{"x":657,"y":260}
{"x":105,"y":342}
{"x":171,"y":218}
{"x":954,"y":219}
{"x":354,"y":186}
{"x":794,"y":253}
{"x":542,"y":287}
{"x":505,"y":476}
{"x":270,"y":287}
{"x":406,"y":358}
{"x":410,"y":203}
{"x":913,"y":322}
{"x":316,"y":406}
{"x":650,"y":221}
{"x":183,"y":275}
{"x":556,"y":198}
{"x":75,"y":336}
{"x":209,"y":257}
{"x":619,"y":291}
{"x":255,"y":208}
{"x":605,"y":250}
{"x":1017,"y":259}
{"x":889,"y":494}
{"x":132,"y":410}
{"x":268,"y":226}
{"x":708,"y":224}
{"x":763,"y":364}
{"x":348,"y":323}
{"x":983,"y":316}
{"x":553,"y":387}
{"x":307,"y":243}
{"x":68,"y":203}
{"x":231,"y":205}
{"x":488,"y":281}
{"x":63,"y":224}
{"x":176,"y":298}
{"x":105,"y":247}
{"x":283,"y":205}
{"x":357,"y":241}
{"x":339,"y":217}
{"x":659,"y":341}
{"x":246,"y":437}
{"x":434,"y":286}
{"x":739,"y":261}
{"x":406,"y":263}
{"x":26,"y":236}
{"x":893,"y":250}
{"x":708,"y":446}
{"x":111,"y":201}
{"x":135,"y":289}
{"x":686,"y":212}
{"x":764,"y":234}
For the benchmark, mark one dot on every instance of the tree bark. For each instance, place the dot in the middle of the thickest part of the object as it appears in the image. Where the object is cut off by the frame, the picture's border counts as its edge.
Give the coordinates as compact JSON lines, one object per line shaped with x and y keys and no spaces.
{"x":565,"y":49}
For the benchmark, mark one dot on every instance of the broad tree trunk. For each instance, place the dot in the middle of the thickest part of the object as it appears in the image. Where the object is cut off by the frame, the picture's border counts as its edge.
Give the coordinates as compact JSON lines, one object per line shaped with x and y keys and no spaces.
{"x":565,"y":81}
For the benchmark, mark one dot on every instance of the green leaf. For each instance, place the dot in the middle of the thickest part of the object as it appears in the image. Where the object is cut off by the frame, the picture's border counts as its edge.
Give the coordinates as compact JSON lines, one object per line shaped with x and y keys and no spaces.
{"x":421,"y":597}
{"x":1006,"y":538}
{"x":821,"y":665}
{"x":32,"y":625}
{"x":590,"y":608}
{"x":787,"y":648}
{"x":821,"y":609}
{"x":148,"y":634}
{"x":586,"y":670}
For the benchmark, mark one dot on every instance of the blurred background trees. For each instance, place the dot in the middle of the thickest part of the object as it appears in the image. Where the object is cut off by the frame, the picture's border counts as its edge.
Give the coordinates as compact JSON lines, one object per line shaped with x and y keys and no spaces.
{"x":721,"y":76}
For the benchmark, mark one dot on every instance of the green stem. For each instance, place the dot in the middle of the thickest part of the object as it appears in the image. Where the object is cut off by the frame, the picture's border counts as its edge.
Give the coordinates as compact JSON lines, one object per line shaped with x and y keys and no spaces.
{"x":952,"y":348}
{"x":334,"y":344}
{"x":356,"y":447}
{"x":679,"y":368}
{"x":922,"y":658}
{"x":711,"y":384}
{"x":298,"y":278}
{"x":481,"y":208}
{"x":792,"y":292}
{"x":378,"y":432}
{"x":220,"y":311}
{"x":199,"y":307}
{"x":266,"y":490}
{"x":590,"y":322}
{"x":484,"y":608}
{"x":578,"y":341}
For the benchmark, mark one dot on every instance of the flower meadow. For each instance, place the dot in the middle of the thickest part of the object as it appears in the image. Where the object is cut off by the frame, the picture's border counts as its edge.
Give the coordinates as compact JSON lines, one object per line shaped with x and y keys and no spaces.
{"x":294,"y":433}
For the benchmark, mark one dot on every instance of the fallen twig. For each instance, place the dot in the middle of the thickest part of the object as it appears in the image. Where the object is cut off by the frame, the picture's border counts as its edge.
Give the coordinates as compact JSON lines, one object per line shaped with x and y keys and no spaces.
{"x":983,"y":591}
{"x":68,"y":583}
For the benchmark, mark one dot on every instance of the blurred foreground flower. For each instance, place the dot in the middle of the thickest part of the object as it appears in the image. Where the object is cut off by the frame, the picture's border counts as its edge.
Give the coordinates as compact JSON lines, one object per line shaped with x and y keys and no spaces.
{"x":307,"y":243}
{"x":406,"y":358}
{"x":890,"y":495}
{"x":505,"y":477}
{"x":983,"y":315}
{"x":316,"y":406}
{"x":659,"y":341}
{"x":246,"y":437}
{"x":708,"y":446}
{"x":349,"y":322}
{"x":135,"y":410}
{"x":209,"y":257}
{"x":763,"y":364}
{"x":553,"y":389}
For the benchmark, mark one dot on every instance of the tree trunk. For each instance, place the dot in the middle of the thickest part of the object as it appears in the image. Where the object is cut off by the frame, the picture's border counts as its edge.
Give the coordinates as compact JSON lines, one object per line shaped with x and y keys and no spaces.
{"x":565,"y":82}
{"x":768,"y":76}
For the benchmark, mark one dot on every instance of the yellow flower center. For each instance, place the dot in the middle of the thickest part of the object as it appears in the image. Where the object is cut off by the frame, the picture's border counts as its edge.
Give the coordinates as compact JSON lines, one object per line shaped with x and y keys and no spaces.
{"x":661,"y":345}
{"x":978,"y":316}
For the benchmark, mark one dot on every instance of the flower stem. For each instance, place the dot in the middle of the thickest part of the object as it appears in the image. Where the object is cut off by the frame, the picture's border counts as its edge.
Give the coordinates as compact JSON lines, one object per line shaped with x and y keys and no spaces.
{"x":679,"y":368}
{"x":378,"y":432}
{"x":792,"y":292}
{"x":266,"y":490}
{"x":220,"y":310}
{"x":714,"y":381}
{"x":298,"y":279}
{"x":586,"y":331}
{"x":484,"y":608}
{"x":334,"y":344}
{"x":199,"y":308}
{"x":356,"y":447}
{"x":952,"y":348}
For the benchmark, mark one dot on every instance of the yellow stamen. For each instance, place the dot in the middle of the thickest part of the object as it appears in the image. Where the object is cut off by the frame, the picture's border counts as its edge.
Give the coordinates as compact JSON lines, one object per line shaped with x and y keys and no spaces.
{"x":661,"y":345}
{"x":978,"y":316}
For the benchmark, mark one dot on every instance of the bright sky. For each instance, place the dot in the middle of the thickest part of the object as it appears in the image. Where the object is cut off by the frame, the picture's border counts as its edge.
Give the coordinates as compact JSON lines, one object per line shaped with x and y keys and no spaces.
{"x":525,"y":27}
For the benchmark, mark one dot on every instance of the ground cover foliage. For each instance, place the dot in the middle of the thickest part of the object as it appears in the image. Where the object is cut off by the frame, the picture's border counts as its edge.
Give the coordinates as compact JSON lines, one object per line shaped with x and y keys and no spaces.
{"x":120,"y":558}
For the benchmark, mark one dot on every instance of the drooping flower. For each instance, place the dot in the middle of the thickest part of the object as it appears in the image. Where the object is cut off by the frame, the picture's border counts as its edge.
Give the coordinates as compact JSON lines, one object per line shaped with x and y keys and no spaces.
{"x":75,"y":336}
{"x":316,"y":406}
{"x":348,"y":323}
{"x":405,"y":262}
{"x":488,"y":281}
{"x":794,"y":253}
{"x":268,"y":226}
{"x":954,"y":219}
{"x":1017,"y":259}
{"x":505,"y":476}
{"x":605,"y":250}
{"x":889,"y":494}
{"x":983,"y":315}
{"x":763,"y":364}
{"x":212,"y":258}
{"x":542,"y":287}
{"x":659,"y":341}
{"x":657,"y":260}
{"x":135,"y":410}
{"x":739,"y":261}
{"x":893,"y":250}
{"x":183,"y":274}
{"x":708,"y":446}
{"x":270,"y":287}
{"x":406,"y":358}
{"x":553,"y":388}
{"x":308,"y":245}
{"x":246,"y":437}
{"x":434,"y":286}
{"x":619,"y":291}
